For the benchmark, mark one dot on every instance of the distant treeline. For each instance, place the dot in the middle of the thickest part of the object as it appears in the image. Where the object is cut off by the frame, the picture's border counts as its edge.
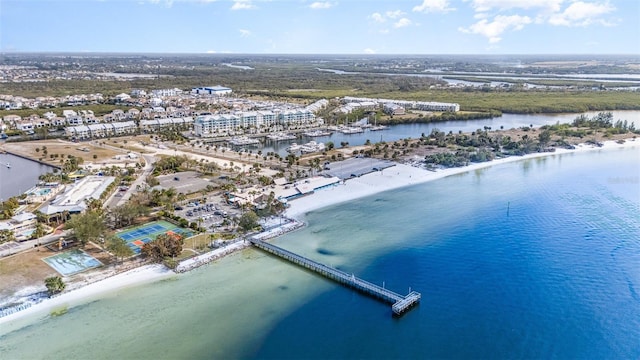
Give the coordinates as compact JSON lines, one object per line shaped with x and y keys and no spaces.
{"x":283,"y":81}
{"x":446,"y":116}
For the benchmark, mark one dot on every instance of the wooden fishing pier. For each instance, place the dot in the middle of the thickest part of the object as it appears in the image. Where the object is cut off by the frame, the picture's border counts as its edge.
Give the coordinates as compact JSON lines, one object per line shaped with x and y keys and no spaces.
{"x":400,"y":303}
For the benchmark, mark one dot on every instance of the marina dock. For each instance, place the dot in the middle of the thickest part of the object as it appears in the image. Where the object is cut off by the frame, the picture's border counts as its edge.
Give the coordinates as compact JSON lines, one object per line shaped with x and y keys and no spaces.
{"x":400,"y":303}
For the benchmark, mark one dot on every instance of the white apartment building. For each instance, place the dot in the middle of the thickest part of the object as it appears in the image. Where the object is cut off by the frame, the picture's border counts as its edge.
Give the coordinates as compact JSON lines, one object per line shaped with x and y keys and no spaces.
{"x":166,"y":92}
{"x":165,"y":123}
{"x":83,"y":132}
{"x":224,"y":124}
{"x":416,"y":105}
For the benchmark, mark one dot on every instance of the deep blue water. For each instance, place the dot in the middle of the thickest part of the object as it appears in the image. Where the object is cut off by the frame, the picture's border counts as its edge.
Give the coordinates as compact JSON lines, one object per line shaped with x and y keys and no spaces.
{"x":533,"y":259}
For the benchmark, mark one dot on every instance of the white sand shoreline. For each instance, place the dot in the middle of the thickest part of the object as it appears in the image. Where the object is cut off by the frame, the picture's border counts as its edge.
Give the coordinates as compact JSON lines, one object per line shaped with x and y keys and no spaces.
{"x":404,"y":175}
{"x":137,"y":276}
{"x":392,"y":178}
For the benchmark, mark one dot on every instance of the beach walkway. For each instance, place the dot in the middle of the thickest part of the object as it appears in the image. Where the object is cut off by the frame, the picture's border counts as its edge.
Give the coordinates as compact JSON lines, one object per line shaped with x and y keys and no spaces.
{"x":400,"y":303}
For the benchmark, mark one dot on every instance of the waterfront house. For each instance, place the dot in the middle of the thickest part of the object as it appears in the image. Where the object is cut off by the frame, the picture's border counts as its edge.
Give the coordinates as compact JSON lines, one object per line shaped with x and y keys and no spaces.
{"x":21,"y":224}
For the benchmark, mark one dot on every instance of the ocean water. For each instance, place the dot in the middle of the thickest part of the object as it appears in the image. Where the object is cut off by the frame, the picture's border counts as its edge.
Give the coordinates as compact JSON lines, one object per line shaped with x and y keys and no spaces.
{"x":533,"y":259}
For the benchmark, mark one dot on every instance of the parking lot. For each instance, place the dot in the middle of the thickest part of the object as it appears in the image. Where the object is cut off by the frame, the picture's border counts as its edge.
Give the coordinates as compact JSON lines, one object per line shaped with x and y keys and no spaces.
{"x":355,"y":167}
{"x":185,"y":182}
{"x":207,"y":215}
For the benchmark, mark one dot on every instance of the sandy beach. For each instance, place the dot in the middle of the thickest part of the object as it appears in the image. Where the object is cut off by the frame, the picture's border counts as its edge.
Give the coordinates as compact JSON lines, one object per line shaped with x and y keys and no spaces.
{"x":137,"y":276}
{"x":391,"y":178}
{"x":404,"y":175}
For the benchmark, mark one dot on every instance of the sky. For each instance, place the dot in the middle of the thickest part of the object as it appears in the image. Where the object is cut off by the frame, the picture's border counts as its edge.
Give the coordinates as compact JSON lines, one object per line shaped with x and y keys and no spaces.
{"x":322,"y":27}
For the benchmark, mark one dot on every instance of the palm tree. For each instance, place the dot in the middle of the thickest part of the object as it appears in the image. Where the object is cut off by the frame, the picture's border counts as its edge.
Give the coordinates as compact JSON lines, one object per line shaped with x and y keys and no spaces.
{"x":54,"y":285}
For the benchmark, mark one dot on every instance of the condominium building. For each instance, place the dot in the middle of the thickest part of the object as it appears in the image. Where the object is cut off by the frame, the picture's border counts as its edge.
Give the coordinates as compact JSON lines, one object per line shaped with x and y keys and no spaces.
{"x":224,"y":124}
{"x":101,"y":130}
{"x":414,"y":105}
{"x":165,"y":123}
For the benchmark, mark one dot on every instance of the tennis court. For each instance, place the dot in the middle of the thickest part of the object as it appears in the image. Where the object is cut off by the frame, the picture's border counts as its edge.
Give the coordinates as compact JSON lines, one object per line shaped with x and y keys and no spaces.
{"x":140,"y":235}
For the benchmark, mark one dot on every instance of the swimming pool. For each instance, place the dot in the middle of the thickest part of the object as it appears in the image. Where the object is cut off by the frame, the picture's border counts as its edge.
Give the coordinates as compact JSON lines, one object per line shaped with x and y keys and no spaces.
{"x":39,"y":191}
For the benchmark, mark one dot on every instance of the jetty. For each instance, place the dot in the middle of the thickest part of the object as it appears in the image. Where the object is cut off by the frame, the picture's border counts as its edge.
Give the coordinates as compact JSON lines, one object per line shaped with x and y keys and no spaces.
{"x":400,"y":303}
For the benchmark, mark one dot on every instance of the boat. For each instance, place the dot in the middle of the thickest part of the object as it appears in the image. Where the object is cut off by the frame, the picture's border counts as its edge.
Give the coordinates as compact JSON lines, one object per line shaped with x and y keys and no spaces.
{"x":243,"y":140}
{"x":8,"y":165}
{"x":351,"y":130}
{"x":378,"y":127}
{"x":317,"y":133}
{"x":312,"y":147}
{"x":294,"y":147}
{"x":280,"y":136}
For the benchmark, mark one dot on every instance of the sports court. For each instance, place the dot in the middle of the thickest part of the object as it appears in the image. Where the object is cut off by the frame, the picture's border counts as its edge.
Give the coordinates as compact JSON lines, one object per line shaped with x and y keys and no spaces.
{"x":138,"y":236}
{"x":72,"y":262}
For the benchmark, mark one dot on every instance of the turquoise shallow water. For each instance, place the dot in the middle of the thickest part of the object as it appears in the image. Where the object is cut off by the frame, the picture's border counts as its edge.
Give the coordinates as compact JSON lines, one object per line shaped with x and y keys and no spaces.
{"x":533,"y":259}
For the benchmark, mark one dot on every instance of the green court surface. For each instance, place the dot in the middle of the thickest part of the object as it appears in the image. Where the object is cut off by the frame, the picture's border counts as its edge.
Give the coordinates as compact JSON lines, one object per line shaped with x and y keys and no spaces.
{"x":138,"y":236}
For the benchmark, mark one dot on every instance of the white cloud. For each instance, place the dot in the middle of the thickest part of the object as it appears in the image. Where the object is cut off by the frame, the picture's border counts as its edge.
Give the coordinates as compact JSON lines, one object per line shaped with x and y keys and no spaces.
{"x":244,"y":33}
{"x":320,"y":5}
{"x":369,"y":51}
{"x":394,"y":14}
{"x":493,"y":30}
{"x":581,"y":13}
{"x":486,"y":5}
{"x":242,"y":5}
{"x":404,"y":22}
{"x":433,"y":6}
{"x":377,"y":17}
{"x":167,"y":3}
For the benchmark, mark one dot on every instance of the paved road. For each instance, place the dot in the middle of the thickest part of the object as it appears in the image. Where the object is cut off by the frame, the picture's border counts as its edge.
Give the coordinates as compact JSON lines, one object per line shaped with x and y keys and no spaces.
{"x":16,"y":247}
{"x":122,"y":198}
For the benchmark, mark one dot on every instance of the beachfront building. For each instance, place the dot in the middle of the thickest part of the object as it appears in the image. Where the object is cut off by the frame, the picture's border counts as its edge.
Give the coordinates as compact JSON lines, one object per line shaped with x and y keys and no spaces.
{"x":154,"y":125}
{"x":211,"y":90}
{"x":286,"y":192}
{"x":226,"y":124}
{"x":408,"y":105}
{"x":74,"y":199}
{"x":22,"y":225}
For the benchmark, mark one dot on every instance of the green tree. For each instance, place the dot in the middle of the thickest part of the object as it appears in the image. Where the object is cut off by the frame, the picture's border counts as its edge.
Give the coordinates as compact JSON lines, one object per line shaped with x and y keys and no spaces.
{"x":163,"y":246}
{"x":248,"y":221}
{"x":125,"y":214}
{"x":544,"y":137}
{"x":119,"y":248}
{"x":54,"y":285}
{"x":87,"y":227}
{"x":38,"y":232}
{"x":9,"y":207}
{"x":6,"y":235}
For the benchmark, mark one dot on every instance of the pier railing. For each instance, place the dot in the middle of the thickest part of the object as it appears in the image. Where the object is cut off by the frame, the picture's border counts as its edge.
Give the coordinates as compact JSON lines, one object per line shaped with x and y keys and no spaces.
{"x":400,"y":303}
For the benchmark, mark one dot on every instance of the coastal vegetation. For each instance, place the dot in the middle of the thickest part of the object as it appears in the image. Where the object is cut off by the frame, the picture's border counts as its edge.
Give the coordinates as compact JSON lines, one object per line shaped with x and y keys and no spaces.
{"x":54,"y":285}
{"x":163,"y":248}
{"x":299,"y":80}
{"x":89,"y":226}
{"x":119,"y":248}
